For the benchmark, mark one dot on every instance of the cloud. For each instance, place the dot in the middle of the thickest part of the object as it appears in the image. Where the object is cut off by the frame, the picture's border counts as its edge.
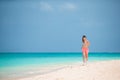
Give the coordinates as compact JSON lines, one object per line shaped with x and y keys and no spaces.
{"x":58,"y":7}
{"x":45,"y":6}
{"x":68,"y":6}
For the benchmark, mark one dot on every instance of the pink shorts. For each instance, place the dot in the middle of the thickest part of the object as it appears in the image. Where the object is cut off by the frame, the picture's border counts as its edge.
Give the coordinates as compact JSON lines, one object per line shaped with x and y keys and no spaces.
{"x":85,"y":50}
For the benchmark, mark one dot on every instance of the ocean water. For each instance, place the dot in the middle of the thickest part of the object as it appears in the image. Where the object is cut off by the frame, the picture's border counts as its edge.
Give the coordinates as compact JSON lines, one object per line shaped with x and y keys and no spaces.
{"x":20,"y":63}
{"x":45,"y":58}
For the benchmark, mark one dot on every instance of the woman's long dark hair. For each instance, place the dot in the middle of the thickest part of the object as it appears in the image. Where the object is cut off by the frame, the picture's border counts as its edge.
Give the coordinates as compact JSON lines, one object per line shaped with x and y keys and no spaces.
{"x":83,"y":37}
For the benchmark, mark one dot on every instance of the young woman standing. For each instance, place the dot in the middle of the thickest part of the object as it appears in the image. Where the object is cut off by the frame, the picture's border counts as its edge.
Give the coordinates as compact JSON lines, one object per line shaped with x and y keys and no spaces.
{"x":85,"y":49}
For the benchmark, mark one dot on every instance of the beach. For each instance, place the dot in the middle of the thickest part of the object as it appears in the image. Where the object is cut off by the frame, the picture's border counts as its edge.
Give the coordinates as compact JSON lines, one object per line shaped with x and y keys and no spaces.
{"x":100,"y":70}
{"x":59,"y":66}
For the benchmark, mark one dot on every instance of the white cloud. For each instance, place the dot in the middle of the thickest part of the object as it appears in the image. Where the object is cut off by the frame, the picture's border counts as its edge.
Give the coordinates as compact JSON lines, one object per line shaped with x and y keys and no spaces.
{"x":45,"y":6}
{"x":68,"y":6}
{"x":62,"y":7}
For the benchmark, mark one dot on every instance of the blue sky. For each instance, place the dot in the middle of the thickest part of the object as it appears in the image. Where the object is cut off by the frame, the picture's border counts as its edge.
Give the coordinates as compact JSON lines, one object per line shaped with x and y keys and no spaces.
{"x":58,"y":25}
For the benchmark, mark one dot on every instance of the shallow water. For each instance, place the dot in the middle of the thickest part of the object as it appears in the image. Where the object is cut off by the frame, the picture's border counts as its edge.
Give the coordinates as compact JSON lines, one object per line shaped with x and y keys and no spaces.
{"x":45,"y":58}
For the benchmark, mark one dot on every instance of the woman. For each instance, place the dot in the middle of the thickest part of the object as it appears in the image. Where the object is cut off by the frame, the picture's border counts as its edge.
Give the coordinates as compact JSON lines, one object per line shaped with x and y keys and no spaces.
{"x":85,"y":49}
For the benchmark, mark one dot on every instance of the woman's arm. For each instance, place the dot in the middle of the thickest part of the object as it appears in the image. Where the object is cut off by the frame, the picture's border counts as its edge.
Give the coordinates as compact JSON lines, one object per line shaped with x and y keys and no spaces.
{"x":88,"y":43}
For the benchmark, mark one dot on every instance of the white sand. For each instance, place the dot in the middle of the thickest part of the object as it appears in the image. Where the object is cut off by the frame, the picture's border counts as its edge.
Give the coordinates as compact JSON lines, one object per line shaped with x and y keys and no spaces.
{"x":104,"y":70}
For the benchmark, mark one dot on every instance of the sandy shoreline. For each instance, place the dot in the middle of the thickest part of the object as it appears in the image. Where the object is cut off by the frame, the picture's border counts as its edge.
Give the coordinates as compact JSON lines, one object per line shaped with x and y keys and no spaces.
{"x":102,"y":70}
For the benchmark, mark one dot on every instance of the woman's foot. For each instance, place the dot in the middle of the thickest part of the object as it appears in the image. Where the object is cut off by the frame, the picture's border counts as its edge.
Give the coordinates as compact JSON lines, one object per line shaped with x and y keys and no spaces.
{"x":84,"y":64}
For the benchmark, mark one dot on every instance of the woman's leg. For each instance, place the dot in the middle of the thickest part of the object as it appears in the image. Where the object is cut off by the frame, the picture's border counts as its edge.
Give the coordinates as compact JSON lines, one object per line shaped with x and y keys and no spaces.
{"x":86,"y":55}
{"x":84,"y":58}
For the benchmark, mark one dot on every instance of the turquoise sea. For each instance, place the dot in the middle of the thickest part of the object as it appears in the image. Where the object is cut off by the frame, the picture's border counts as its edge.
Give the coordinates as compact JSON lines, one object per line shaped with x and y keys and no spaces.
{"x":45,"y":58}
{"x":17,"y":63}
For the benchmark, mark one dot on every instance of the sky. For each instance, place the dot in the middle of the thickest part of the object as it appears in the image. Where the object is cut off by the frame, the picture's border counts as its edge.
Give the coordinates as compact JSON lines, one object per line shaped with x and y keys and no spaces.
{"x":58,"y":25}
